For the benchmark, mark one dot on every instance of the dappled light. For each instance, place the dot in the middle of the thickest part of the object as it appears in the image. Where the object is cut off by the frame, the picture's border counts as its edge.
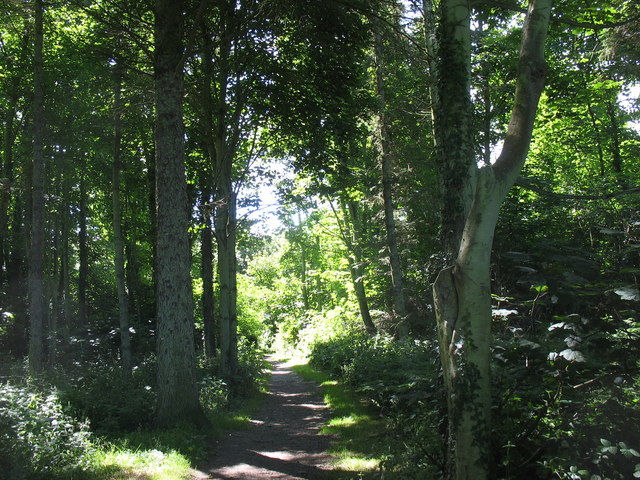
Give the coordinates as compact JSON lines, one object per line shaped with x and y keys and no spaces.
{"x":331,"y":240}
{"x":283,"y":441}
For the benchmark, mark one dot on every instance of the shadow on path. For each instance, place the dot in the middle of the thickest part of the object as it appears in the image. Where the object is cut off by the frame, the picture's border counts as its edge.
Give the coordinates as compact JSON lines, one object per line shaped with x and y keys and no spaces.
{"x":284,"y":440}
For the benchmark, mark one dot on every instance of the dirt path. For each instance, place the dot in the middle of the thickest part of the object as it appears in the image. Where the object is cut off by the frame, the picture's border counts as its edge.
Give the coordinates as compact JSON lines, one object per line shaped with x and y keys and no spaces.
{"x":284,"y":440}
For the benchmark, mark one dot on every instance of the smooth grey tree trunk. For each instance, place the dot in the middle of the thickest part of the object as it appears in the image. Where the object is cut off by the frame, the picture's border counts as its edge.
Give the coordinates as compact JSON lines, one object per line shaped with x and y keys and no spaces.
{"x":462,"y":291}
{"x":118,"y":240}
{"x":177,"y":388}
{"x":37,"y":309}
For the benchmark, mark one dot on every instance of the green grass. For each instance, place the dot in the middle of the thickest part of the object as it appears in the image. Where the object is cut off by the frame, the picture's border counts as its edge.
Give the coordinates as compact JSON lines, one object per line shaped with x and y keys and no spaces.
{"x":115,"y":463}
{"x":361,"y":444}
{"x":168,"y":454}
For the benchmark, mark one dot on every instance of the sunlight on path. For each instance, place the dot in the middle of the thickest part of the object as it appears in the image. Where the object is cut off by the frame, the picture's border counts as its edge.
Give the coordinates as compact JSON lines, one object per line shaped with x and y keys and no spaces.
{"x":284,"y":440}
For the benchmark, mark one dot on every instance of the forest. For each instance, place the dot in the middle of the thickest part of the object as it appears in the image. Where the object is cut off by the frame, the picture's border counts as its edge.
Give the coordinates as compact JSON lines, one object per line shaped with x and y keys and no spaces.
{"x":434,"y":204}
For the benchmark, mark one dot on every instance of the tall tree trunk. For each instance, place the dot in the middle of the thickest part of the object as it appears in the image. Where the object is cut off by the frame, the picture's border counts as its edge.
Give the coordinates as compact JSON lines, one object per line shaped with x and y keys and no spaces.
{"x":233,"y":284}
{"x":118,"y":239}
{"x":64,"y":318}
{"x":303,"y":265}
{"x":177,"y":389}
{"x":54,"y":295}
{"x":6,"y":182}
{"x":83,"y":258}
{"x":455,"y":145}
{"x":153,"y":233}
{"x":616,"y":157}
{"x":221,"y":129}
{"x":7,"y":173}
{"x":397,"y":278}
{"x":462,"y":292}
{"x":598,"y":138}
{"x":37,"y":309}
{"x":356,"y":264}
{"x":208,"y":299}
{"x":61,"y":312}
{"x":212,"y":332}
{"x":226,"y":238}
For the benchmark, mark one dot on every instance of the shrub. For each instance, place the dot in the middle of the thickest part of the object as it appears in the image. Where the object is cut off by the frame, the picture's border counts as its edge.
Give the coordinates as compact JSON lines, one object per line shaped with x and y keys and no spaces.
{"x":111,"y":401}
{"x":37,"y":438}
{"x":399,"y":379}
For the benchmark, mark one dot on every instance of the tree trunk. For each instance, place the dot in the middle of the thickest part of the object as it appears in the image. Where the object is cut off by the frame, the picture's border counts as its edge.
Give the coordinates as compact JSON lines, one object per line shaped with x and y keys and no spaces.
{"x":153,"y":233}
{"x":454,"y":121}
{"x":60,"y":316}
{"x":233,"y":284}
{"x":356,"y":265}
{"x":397,"y":280}
{"x":6,"y":182}
{"x":177,"y":389}
{"x":83,"y":257}
{"x":462,"y":292}
{"x":208,"y":299}
{"x":616,"y":157}
{"x":226,"y":238}
{"x":37,"y":311}
{"x":65,"y":267}
{"x":118,"y":239}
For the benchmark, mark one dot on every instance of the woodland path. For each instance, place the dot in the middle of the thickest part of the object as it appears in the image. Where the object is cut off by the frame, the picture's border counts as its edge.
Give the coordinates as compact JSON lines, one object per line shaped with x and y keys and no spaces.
{"x":284,"y":440}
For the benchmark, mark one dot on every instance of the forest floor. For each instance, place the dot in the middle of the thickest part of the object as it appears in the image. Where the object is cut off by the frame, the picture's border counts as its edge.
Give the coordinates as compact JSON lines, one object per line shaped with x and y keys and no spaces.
{"x":283,"y":441}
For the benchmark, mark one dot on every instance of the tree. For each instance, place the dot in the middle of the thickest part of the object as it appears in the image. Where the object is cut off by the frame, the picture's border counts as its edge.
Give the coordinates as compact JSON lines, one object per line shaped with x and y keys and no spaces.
{"x":37,"y":307}
{"x":462,"y":291}
{"x":177,"y":389}
{"x":118,"y":239}
{"x":386,"y":167}
{"x":351,"y":232}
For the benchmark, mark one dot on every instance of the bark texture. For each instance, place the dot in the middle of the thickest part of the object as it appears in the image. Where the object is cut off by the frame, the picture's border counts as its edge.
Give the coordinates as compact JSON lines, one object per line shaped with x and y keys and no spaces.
{"x":454,"y":120}
{"x":226,"y":236}
{"x":177,"y":390}
{"x":462,"y":292}
{"x":37,"y":310}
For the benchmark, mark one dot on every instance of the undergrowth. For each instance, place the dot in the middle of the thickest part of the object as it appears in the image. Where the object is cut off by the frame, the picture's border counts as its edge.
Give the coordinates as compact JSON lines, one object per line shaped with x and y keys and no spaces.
{"x":42,"y":438}
{"x":398,"y":382}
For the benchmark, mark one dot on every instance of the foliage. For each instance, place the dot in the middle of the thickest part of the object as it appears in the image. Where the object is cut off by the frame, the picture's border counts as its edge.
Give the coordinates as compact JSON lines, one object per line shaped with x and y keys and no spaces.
{"x":37,"y":438}
{"x":565,"y":366}
{"x":399,"y":379}
{"x":112,"y":401}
